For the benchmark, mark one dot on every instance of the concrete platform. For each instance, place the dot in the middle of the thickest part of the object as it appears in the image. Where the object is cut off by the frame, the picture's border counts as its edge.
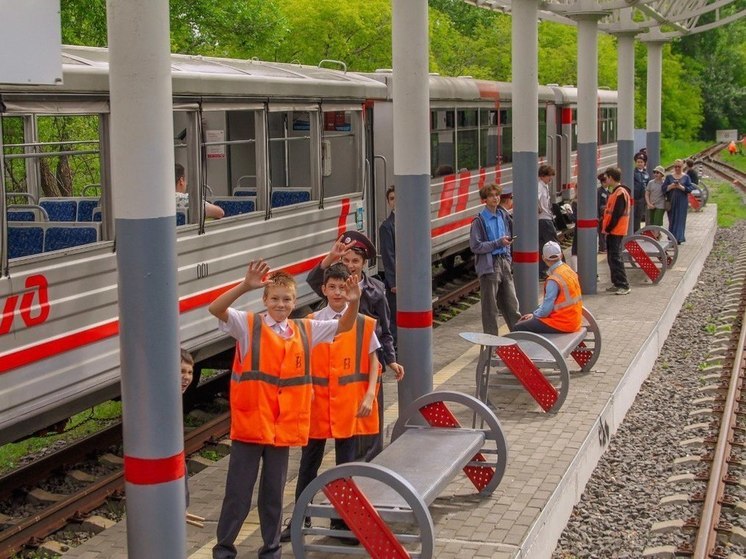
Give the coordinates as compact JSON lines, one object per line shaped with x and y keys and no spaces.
{"x":551,"y":457}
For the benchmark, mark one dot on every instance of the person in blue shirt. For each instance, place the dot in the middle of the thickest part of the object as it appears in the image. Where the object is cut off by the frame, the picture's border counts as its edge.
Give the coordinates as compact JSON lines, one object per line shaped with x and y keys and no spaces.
{"x":489,"y":239}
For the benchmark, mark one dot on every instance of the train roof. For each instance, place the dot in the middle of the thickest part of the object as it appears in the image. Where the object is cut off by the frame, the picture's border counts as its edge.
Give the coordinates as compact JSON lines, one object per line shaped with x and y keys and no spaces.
{"x":86,"y":70}
{"x":466,"y":88}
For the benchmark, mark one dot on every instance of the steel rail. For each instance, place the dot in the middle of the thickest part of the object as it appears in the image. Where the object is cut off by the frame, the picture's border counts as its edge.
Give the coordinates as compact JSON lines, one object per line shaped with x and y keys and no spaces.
{"x":706,"y":539}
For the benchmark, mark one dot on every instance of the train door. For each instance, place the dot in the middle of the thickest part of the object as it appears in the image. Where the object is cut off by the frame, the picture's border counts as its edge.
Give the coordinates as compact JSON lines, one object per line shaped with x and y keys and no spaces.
{"x":371,"y":176}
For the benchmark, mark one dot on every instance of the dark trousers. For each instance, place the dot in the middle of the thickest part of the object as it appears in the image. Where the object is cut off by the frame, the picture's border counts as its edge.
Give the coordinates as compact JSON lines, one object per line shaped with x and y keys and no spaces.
{"x":243,"y":469}
{"x":535,"y":325}
{"x":547,"y":233}
{"x":313,"y":454}
{"x":391,"y":300}
{"x":369,"y":446}
{"x":614,"y":257}
{"x":640,"y":211}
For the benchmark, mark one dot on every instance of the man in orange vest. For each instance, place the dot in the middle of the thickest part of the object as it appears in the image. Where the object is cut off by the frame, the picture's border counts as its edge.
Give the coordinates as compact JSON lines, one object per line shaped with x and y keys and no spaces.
{"x":732,"y":147}
{"x":562,"y":308}
{"x":345,"y":378}
{"x":270,"y":398}
{"x":615,"y":223}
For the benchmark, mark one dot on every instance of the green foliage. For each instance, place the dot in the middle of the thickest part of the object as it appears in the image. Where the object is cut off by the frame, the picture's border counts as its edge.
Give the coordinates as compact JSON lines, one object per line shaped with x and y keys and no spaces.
{"x":679,"y":149}
{"x":81,"y":425}
{"x":738,"y":160}
{"x":731,"y":207}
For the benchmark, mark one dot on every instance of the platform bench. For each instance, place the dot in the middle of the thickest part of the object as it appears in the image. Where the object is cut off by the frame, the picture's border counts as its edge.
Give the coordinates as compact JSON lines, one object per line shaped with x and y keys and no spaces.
{"x":653,"y":249}
{"x":538,"y":363}
{"x":385,"y":502}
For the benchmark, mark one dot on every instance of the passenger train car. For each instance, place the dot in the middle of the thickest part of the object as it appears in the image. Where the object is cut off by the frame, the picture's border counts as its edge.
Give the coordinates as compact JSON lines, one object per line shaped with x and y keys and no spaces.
{"x":294,"y":155}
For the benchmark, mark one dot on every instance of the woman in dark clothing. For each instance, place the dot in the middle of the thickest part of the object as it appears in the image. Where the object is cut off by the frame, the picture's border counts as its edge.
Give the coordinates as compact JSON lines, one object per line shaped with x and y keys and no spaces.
{"x":677,"y":187}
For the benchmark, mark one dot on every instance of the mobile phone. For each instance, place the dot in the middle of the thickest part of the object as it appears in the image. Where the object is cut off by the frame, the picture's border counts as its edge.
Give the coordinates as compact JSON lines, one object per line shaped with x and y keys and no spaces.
{"x":514,"y":237}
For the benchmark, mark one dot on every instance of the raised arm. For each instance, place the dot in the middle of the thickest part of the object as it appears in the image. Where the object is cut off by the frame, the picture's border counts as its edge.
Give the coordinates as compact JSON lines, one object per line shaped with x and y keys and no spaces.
{"x":347,"y":320}
{"x":254,"y":279}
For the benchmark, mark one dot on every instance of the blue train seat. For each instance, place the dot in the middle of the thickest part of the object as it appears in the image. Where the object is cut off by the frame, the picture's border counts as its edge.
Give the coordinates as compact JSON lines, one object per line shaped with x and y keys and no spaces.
{"x":96,"y":214}
{"x":244,"y":191}
{"x":25,"y":241}
{"x":181,"y":217}
{"x":86,"y":207}
{"x":60,"y":209}
{"x":27,"y":212}
{"x":235,"y":205}
{"x":289,"y":196}
{"x":59,"y":236}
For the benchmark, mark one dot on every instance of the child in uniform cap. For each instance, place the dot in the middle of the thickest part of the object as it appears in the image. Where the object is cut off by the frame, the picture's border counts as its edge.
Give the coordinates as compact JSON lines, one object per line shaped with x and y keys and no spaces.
{"x":562,"y":308}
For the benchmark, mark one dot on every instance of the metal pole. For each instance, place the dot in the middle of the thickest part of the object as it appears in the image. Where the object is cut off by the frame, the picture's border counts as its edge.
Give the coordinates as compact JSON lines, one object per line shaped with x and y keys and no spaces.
{"x":142,"y":168}
{"x":626,"y":110}
{"x":525,"y":47}
{"x":655,"y":66}
{"x":586,"y":226}
{"x":412,"y":180}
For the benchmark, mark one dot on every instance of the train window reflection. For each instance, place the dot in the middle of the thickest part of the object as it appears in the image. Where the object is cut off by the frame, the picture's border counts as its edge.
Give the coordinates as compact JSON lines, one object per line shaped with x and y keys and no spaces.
{"x":292,"y":164}
{"x":341,"y":166}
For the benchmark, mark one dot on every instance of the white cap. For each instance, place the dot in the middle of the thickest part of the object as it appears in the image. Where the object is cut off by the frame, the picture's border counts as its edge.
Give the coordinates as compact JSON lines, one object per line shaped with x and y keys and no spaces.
{"x":551,"y":251}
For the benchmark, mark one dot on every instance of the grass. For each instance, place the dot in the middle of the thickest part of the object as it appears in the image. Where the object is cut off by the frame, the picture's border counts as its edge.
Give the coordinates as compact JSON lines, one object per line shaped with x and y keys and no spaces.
{"x":731,"y":207}
{"x":680,"y":149}
{"x":738,"y":160}
{"x":81,"y":425}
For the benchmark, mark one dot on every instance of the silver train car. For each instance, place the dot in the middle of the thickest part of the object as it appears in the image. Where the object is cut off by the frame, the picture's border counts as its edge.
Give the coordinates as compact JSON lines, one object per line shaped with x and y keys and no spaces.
{"x":293,"y":154}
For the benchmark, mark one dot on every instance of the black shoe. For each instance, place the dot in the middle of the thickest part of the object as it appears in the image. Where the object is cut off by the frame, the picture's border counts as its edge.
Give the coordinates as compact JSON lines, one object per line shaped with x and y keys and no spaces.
{"x":285,"y":534}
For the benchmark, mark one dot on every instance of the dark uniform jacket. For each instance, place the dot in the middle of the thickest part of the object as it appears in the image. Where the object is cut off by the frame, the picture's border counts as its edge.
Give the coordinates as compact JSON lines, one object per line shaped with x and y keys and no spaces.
{"x":387,"y":245}
{"x":372,"y":303}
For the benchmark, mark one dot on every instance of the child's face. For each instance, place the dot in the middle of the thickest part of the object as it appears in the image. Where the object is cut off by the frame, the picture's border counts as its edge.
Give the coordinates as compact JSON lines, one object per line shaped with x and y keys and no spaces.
{"x":280,"y":302}
{"x":335,"y":290}
{"x":353,"y":262}
{"x":187,"y":373}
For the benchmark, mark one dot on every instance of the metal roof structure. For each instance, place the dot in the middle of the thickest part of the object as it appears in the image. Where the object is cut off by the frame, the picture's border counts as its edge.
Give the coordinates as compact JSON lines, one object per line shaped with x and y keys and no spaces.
{"x":653,"y":19}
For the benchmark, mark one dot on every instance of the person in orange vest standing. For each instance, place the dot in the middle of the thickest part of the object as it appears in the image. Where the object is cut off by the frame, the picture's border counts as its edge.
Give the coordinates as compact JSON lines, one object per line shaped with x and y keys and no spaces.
{"x":270,"y":398}
{"x":562,"y":307}
{"x":344,"y":374}
{"x":615,"y":223}
{"x":732,"y":147}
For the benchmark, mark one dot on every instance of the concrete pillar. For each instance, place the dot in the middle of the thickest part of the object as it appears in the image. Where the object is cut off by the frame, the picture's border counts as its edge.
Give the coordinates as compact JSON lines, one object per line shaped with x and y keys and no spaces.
{"x":414,"y":316}
{"x":586,"y":226}
{"x":626,"y":110}
{"x":655,"y":84}
{"x":142,"y":171}
{"x":525,"y":38}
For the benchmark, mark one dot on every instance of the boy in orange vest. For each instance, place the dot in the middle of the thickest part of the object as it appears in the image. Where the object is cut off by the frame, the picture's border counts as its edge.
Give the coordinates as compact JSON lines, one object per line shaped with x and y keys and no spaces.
{"x":345,"y":378}
{"x":270,"y":398}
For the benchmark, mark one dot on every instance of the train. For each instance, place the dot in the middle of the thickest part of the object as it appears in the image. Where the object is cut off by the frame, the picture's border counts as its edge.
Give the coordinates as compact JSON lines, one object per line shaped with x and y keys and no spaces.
{"x":294,"y":154}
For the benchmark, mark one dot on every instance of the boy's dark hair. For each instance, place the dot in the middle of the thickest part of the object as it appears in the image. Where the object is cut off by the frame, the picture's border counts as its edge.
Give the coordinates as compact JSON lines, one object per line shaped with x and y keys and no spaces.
{"x":336,"y":271}
{"x":389,"y":190}
{"x":546,"y":171}
{"x":279,"y":279}
{"x":443,"y":170}
{"x":179,"y":171}
{"x":689,"y":162}
{"x":487,"y":188}
{"x":613,"y":173}
{"x":186,"y":357}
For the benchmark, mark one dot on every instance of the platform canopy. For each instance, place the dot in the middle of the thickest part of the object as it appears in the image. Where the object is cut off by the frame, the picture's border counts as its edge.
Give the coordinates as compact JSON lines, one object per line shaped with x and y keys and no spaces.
{"x":659,"y":19}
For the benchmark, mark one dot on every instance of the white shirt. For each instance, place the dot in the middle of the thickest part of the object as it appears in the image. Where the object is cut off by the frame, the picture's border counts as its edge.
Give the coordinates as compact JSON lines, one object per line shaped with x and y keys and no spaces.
{"x":328,"y":314}
{"x":237,"y":327}
{"x":545,"y":205}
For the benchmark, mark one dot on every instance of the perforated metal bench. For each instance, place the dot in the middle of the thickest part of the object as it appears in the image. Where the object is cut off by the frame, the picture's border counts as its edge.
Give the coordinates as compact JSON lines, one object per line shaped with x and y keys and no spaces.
{"x":653,"y":249}
{"x":537,"y":363}
{"x":385,"y":502}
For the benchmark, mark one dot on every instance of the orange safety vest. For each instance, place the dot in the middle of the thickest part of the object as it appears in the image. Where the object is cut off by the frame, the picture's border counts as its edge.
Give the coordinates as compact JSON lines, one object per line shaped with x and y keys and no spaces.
{"x":340,"y":371}
{"x":621,"y":226}
{"x":567,"y":313}
{"x":270,"y":390}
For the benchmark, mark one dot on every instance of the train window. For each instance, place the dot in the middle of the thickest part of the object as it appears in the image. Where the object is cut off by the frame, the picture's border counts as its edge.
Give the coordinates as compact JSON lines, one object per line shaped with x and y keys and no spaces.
{"x":467,"y":140}
{"x":442,"y":141}
{"x":292,"y":161}
{"x":543,"y":132}
{"x":54,"y":160}
{"x":506,"y":136}
{"x":488,"y":134}
{"x":341,"y":165}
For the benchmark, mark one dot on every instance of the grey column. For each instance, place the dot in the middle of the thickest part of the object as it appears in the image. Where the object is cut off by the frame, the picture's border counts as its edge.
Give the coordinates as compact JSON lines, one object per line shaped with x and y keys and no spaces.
{"x":626,"y":110}
{"x":587,"y":150}
{"x":412,"y":180}
{"x":525,"y":38}
{"x":655,"y":83}
{"x":142,"y":167}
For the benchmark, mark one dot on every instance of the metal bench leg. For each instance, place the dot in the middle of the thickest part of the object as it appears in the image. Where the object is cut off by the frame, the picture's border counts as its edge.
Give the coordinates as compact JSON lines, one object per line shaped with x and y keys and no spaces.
{"x":588,"y":351}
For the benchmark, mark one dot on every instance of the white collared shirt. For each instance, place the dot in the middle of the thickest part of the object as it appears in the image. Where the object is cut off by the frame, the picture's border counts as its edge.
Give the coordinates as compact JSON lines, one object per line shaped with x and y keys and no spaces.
{"x":328,"y":314}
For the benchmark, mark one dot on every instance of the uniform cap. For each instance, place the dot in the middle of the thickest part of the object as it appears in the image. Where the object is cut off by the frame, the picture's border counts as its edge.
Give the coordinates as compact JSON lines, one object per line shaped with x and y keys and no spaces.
{"x":506,"y":192}
{"x":551,"y":251}
{"x":360,"y":243}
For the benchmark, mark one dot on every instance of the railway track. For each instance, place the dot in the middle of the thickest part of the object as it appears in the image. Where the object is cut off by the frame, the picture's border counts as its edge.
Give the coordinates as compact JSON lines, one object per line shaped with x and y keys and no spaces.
{"x":713,"y":497}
